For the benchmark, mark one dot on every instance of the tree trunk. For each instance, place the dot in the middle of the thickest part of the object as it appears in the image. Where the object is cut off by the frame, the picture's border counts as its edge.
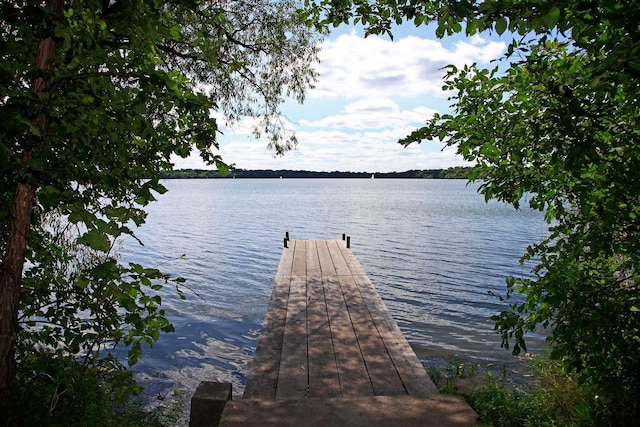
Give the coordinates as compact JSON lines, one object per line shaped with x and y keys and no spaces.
{"x":10,"y":281}
{"x":19,"y":225}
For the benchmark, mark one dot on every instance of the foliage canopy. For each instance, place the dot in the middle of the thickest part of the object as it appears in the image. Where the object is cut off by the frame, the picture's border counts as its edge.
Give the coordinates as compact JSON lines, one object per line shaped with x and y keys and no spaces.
{"x":94,"y":96}
{"x":557,"y":122}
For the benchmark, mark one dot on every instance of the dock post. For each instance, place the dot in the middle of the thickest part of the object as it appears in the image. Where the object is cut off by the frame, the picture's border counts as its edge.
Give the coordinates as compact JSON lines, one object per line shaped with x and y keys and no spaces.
{"x":348,"y":242}
{"x":208,"y":402}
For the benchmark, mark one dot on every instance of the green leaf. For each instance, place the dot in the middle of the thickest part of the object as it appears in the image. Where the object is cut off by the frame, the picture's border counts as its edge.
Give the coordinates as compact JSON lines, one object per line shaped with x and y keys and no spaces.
{"x":174,"y":31}
{"x":552,"y":18}
{"x":128,"y":303}
{"x":82,"y":282}
{"x":104,"y":270}
{"x":33,"y":129}
{"x":96,"y":240}
{"x":501,"y":25}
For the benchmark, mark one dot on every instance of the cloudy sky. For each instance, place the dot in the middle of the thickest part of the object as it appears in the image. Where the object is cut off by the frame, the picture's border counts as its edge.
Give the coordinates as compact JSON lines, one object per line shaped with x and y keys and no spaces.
{"x":371,"y":92}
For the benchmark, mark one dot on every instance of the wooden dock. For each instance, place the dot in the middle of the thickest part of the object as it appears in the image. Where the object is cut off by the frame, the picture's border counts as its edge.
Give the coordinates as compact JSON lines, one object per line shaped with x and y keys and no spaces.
{"x":331,"y":354}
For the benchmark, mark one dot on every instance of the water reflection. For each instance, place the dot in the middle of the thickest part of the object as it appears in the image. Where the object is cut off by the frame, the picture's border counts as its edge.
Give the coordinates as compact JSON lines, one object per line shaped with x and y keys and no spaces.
{"x":199,"y":351}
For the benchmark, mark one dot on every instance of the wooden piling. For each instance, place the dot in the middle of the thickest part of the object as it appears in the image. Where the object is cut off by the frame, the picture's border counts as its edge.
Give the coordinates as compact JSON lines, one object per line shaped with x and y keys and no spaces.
{"x":208,"y":402}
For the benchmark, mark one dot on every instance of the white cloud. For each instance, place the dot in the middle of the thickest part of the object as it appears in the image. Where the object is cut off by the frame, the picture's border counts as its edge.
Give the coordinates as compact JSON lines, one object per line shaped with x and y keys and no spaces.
{"x":477,"y":49}
{"x":379,"y":113}
{"x":371,"y":92}
{"x":356,"y":67}
{"x":331,"y":150}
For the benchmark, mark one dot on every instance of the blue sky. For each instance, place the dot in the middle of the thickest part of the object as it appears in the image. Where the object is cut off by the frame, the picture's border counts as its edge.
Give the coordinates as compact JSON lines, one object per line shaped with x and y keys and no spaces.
{"x":370,"y":92}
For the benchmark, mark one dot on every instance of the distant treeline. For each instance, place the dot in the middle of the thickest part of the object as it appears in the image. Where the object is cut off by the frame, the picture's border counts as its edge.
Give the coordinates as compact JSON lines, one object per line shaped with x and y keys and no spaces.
{"x":457,"y":172}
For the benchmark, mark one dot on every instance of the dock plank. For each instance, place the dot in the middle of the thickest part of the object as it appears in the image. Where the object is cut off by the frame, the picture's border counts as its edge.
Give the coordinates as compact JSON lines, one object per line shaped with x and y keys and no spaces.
{"x":293,"y":377}
{"x":339,"y":262}
{"x":380,"y":367}
{"x":409,"y":368}
{"x":350,"y":258}
{"x":327,"y":267}
{"x":286,"y":262}
{"x":415,"y":378}
{"x":352,"y":370}
{"x":266,"y":362}
{"x":324,"y":380}
{"x":313,"y":259}
{"x":299,"y":267}
{"x":441,"y":410}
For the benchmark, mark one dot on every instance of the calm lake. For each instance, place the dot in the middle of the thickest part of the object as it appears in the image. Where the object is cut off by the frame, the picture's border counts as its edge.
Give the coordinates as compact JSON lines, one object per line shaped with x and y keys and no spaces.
{"x":432,"y":248}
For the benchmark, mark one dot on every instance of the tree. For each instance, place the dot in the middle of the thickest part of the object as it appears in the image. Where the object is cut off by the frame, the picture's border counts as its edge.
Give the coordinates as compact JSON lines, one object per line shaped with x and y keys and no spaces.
{"x":95,"y":95}
{"x":77,"y":304}
{"x":556,"y":123}
{"x":574,"y":154}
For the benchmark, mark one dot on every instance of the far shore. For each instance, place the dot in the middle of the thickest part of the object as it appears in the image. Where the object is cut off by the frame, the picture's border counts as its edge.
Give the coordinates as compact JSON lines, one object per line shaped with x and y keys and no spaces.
{"x":457,"y":172}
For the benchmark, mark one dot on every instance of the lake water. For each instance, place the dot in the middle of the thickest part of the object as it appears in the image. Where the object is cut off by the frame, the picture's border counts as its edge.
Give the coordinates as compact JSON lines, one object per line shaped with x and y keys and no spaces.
{"x":432,"y":248}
